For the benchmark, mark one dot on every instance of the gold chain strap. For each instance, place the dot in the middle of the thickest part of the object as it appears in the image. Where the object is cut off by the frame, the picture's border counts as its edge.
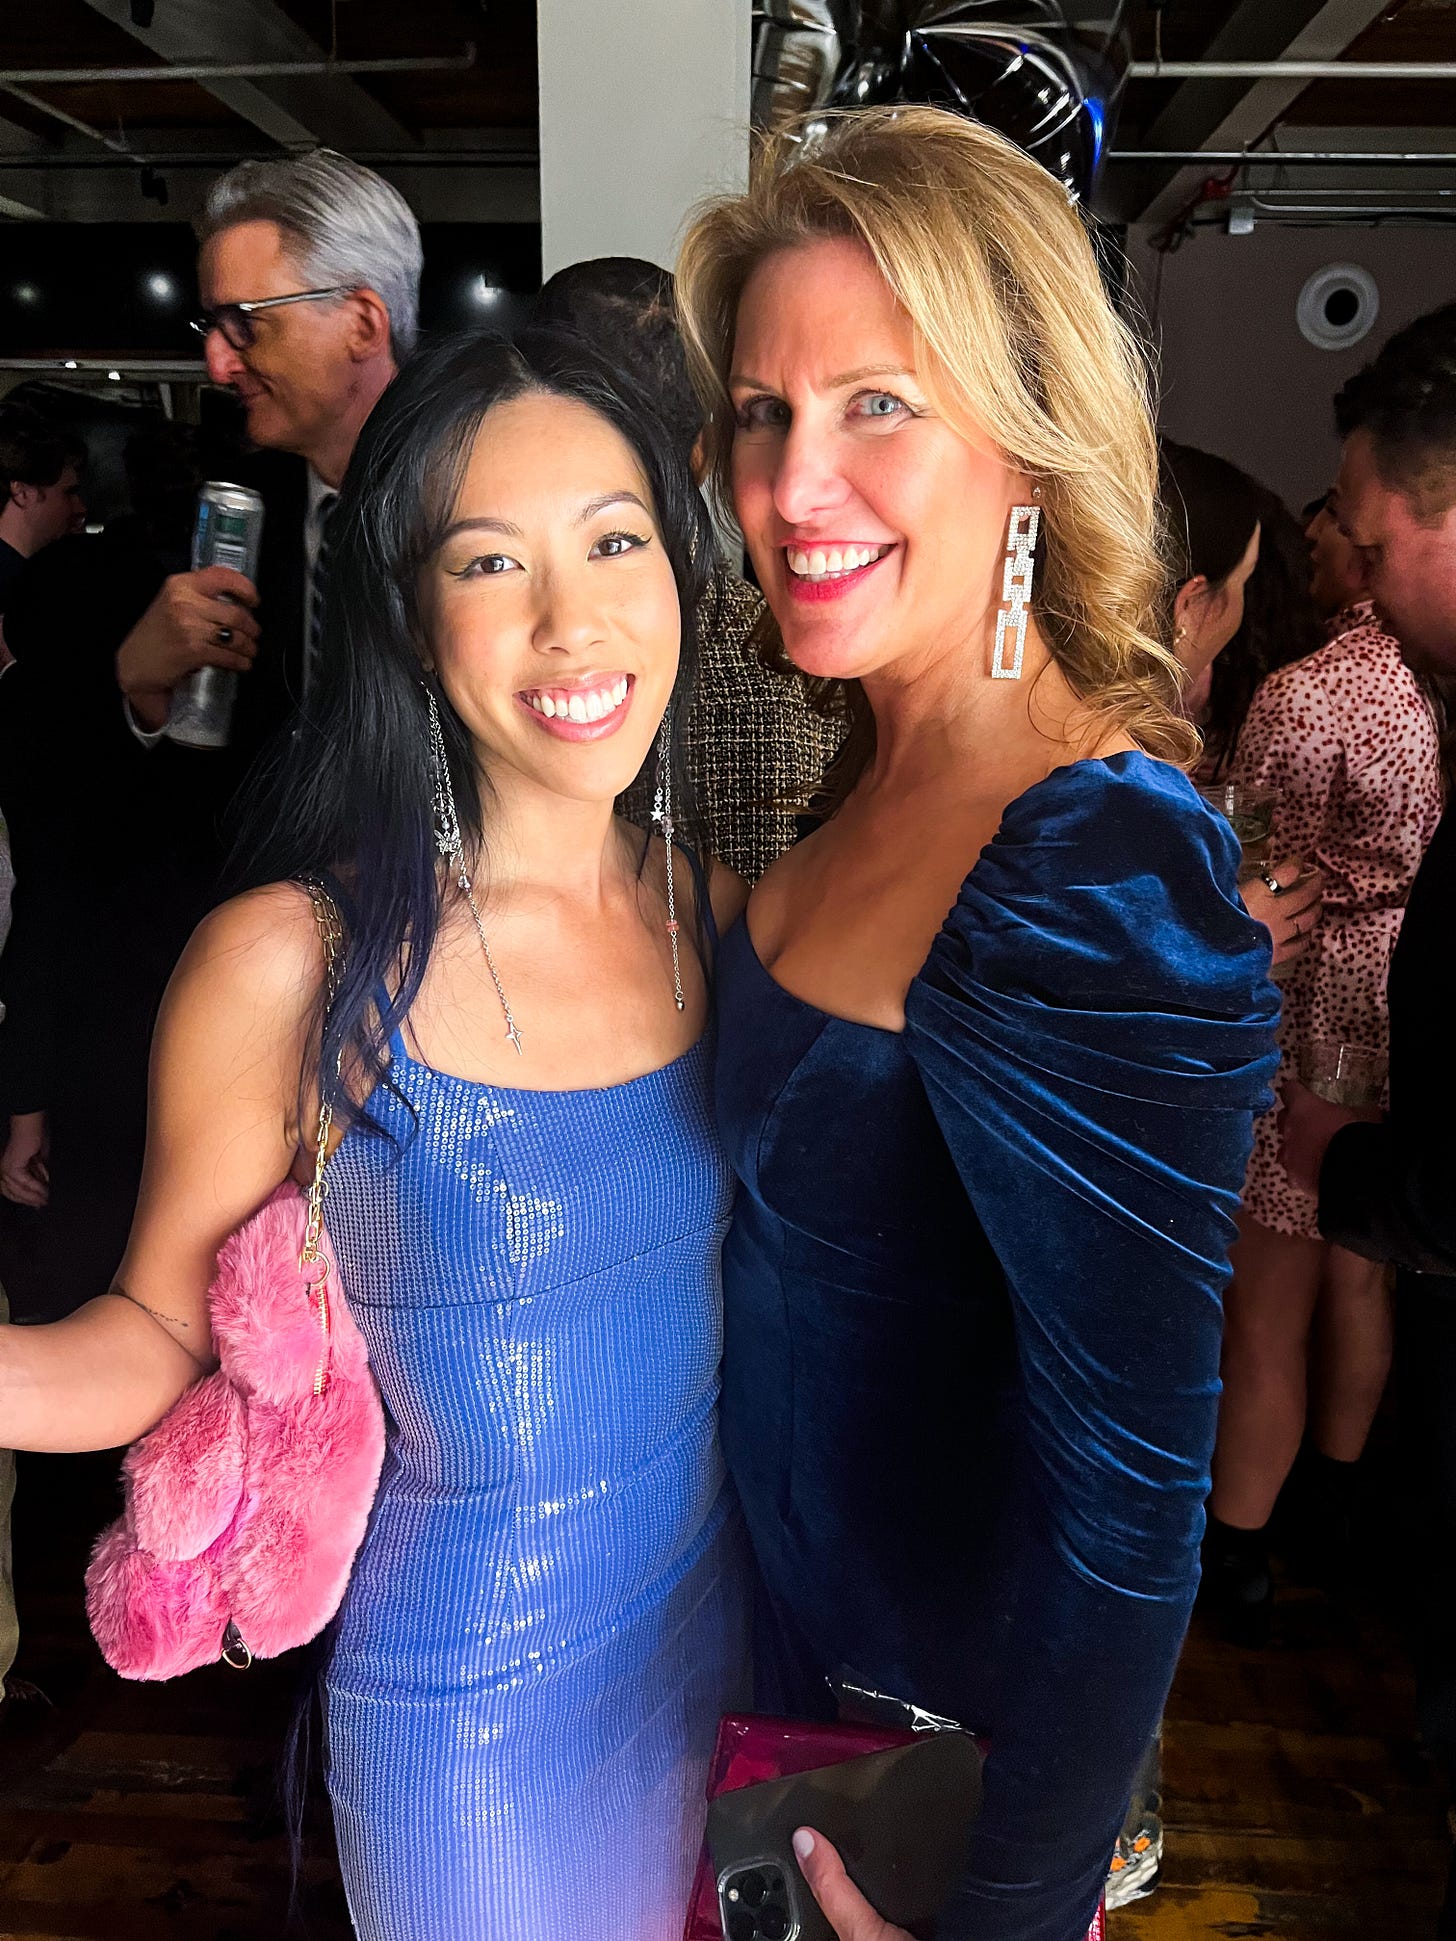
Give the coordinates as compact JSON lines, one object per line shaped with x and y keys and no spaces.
{"x":312,"y":1262}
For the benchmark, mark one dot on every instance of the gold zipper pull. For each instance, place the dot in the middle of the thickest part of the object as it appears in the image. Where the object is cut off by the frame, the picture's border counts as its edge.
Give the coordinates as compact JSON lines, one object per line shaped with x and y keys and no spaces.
{"x":234,"y":1650}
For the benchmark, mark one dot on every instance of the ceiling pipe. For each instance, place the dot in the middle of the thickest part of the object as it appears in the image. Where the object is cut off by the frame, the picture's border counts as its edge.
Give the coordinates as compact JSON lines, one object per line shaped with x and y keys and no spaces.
{"x":14,"y":78}
{"x":1292,"y":71}
{"x":1299,"y":157}
{"x":162,"y":159}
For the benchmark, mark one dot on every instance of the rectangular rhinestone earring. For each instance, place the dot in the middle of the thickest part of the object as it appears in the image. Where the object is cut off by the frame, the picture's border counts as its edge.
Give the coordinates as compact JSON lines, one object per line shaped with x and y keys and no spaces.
{"x":1022,"y":529}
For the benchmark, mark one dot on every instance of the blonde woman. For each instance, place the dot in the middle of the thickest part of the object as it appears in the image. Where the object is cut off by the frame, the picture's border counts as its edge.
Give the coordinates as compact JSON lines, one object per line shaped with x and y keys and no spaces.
{"x":992,"y":1039}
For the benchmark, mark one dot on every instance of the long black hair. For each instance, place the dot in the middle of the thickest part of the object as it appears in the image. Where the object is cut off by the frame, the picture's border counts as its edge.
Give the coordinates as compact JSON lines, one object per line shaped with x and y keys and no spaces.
{"x":346,"y":795}
{"x":1281,"y":624}
{"x":1210,"y":509}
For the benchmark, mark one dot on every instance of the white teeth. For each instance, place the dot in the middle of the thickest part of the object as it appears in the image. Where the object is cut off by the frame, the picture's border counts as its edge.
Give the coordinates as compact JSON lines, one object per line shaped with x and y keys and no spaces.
{"x":593,"y":704}
{"x":822,"y":565}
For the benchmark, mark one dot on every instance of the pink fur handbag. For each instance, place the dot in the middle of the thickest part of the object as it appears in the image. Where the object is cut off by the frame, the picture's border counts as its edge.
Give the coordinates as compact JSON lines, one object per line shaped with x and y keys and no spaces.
{"x":246,"y":1504}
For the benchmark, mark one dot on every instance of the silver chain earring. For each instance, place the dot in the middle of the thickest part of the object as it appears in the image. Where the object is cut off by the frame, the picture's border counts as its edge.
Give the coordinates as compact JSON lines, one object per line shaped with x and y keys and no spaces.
{"x":450,"y":845}
{"x":1022,"y":531}
{"x":447,"y":822}
{"x":662,"y":816}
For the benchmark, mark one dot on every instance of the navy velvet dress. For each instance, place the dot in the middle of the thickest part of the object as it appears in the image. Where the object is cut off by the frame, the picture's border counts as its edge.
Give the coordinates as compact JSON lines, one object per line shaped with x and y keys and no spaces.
{"x":973,"y":1309}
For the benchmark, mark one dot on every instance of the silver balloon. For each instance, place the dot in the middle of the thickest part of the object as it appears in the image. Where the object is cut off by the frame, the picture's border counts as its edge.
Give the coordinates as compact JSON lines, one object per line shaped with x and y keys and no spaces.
{"x":797,"y":52}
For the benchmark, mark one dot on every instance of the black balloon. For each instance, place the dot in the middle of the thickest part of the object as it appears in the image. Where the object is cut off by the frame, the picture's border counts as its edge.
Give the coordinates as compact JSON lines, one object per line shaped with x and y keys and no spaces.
{"x":797,"y":51}
{"x":1046,"y":73}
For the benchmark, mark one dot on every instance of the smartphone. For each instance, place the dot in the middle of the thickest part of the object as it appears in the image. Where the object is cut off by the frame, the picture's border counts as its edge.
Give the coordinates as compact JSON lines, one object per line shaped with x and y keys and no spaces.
{"x":901,"y":1820}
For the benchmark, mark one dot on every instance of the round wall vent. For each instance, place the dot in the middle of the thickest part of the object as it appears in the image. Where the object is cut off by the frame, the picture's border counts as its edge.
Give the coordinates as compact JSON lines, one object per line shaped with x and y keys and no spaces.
{"x":1338,"y":306}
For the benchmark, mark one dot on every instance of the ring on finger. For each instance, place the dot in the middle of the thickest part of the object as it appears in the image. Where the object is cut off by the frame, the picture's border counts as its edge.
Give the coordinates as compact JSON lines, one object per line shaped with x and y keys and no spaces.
{"x":224,"y":636}
{"x":1271,"y":881}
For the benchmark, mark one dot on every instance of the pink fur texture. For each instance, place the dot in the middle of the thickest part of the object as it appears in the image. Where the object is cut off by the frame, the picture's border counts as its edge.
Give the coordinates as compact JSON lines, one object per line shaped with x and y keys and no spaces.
{"x":249,"y":1500}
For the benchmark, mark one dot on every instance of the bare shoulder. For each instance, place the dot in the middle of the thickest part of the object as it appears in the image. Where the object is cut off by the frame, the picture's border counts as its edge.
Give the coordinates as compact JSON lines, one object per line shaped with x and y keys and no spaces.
{"x":256,"y":956}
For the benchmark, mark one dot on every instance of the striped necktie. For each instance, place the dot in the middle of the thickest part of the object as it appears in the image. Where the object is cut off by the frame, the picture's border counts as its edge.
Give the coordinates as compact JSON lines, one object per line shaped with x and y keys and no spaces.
{"x":318,"y":587}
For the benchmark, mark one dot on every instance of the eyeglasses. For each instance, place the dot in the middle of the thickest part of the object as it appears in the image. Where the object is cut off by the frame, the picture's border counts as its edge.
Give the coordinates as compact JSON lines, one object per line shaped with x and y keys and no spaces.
{"x":235,"y":320}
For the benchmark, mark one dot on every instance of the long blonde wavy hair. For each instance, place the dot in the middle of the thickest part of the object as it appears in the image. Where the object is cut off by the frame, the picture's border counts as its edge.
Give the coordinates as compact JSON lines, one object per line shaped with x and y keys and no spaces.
{"x":1015,"y":339}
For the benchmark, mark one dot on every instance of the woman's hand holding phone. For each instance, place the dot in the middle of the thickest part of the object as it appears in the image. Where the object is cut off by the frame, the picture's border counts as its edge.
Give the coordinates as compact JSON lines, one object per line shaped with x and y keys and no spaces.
{"x":844,"y":1906}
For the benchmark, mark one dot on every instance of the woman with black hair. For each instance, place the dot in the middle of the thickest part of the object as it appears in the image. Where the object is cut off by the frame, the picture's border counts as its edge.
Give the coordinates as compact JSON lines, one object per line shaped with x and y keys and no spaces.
{"x":1213,"y":522}
{"x":1281,"y":624}
{"x":527,"y":1201}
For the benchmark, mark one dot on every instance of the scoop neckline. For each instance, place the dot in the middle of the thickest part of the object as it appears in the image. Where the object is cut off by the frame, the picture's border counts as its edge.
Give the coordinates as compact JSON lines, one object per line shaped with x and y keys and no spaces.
{"x":884,"y":1031}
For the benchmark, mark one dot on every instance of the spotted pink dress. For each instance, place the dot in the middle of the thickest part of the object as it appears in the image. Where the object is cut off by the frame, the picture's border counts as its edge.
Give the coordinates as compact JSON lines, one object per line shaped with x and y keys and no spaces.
{"x":1350,"y":740}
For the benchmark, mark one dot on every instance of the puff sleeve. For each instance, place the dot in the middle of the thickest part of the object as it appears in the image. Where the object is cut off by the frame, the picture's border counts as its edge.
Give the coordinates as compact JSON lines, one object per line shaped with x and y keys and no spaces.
{"x":1095,"y":1031}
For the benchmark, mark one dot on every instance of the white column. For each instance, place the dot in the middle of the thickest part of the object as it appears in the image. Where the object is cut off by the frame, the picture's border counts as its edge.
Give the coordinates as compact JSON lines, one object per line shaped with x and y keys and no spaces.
{"x":644,"y":110}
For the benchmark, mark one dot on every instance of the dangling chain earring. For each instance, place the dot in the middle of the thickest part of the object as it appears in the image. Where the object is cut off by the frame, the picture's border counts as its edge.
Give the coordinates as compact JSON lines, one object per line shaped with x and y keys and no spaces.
{"x":450,"y":846}
{"x":662,"y":816}
{"x":1016,"y":575}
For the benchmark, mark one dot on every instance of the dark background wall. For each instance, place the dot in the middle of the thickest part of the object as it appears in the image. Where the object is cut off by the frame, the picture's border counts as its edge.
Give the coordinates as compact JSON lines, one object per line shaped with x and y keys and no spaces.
{"x":110,"y":289}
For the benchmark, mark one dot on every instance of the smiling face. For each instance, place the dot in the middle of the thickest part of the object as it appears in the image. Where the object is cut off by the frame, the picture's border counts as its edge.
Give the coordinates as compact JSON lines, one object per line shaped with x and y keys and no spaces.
{"x":298,"y":376}
{"x":877,"y":532}
{"x":550,"y":608}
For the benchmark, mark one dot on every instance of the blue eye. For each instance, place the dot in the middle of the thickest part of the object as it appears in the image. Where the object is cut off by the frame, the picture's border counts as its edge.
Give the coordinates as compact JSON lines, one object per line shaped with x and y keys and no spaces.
{"x":881,"y":404}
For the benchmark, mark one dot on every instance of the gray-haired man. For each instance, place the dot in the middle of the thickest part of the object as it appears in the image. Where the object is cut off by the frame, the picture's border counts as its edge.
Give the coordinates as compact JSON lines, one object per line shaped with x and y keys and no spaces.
{"x":309,"y":271}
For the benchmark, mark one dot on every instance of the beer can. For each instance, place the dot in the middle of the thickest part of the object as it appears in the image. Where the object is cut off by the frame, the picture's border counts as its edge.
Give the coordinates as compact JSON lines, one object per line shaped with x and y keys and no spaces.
{"x":228,"y":532}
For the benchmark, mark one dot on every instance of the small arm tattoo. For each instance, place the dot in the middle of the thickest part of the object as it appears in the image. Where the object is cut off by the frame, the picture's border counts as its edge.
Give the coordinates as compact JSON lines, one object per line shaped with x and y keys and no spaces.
{"x":169,"y":1320}
{"x":164,"y":1320}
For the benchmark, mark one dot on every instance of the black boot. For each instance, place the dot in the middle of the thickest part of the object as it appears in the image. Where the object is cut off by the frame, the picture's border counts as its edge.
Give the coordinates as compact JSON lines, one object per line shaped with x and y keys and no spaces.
{"x":1322,"y":1526}
{"x":1238,"y":1586}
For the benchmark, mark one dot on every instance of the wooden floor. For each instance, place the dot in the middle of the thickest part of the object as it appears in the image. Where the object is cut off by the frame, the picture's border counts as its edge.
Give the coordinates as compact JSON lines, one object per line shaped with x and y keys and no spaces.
{"x":1297,"y":1804}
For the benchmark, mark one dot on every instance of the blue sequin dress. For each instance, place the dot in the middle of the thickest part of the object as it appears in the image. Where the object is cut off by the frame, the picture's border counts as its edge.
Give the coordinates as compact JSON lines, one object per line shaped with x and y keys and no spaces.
{"x":545,"y":1620}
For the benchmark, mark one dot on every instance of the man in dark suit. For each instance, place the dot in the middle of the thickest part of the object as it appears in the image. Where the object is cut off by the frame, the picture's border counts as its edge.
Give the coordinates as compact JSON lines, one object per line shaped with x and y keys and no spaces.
{"x":310,"y":272}
{"x":1387,"y":1188}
